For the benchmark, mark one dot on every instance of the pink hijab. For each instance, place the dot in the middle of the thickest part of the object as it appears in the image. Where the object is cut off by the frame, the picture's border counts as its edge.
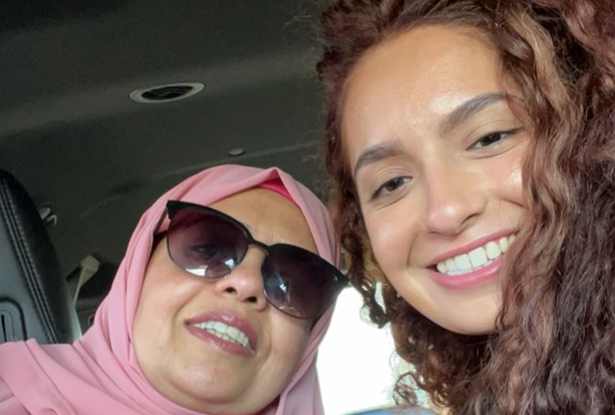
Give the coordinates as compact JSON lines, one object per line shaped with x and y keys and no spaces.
{"x":99,"y":374}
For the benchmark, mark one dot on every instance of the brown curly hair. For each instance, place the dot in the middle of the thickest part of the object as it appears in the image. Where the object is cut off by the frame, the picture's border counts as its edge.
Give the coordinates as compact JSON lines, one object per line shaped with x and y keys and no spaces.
{"x":554,"y":350}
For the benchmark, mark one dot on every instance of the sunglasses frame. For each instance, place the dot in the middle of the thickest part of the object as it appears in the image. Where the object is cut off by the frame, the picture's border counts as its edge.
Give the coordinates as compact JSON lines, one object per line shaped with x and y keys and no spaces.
{"x":340,"y":281}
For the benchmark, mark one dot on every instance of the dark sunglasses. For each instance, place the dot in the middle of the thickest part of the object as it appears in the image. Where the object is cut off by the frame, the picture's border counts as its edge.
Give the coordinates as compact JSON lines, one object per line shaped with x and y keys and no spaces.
{"x":209,"y":244}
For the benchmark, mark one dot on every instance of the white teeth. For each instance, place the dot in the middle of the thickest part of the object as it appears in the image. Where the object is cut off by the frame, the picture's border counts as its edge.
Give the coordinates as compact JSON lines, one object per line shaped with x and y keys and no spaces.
{"x":504,"y":244}
{"x":463,"y":263}
{"x":477,"y":258}
{"x":233,"y":332}
{"x":225,"y":332}
{"x":450,"y":265}
{"x":493,"y":250}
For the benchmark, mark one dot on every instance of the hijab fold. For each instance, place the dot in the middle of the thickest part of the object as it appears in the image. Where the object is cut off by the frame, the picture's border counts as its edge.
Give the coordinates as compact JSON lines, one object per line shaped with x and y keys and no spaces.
{"x":99,"y":374}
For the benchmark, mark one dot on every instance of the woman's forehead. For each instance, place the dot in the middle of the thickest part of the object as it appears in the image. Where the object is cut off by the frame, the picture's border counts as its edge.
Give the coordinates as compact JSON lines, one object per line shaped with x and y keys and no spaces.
{"x":414,"y":80}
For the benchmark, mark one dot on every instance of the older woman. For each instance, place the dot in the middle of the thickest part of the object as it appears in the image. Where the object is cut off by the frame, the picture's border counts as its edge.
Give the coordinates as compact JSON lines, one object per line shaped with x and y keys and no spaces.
{"x":217,"y":308}
{"x":472,"y":150}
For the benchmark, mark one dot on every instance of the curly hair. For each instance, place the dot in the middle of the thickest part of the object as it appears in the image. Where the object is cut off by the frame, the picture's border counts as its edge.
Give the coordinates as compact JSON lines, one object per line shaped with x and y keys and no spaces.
{"x":554,"y":349}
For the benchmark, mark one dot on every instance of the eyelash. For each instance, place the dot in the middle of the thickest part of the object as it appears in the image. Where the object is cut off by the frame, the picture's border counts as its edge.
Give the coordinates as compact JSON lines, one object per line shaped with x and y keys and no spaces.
{"x":378,"y":193}
{"x":500,"y":134}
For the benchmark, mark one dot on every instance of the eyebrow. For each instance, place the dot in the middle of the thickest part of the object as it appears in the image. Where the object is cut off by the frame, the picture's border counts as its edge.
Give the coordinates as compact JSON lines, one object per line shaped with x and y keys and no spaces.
{"x":457,"y":116}
{"x":468,"y":109}
{"x":377,"y":153}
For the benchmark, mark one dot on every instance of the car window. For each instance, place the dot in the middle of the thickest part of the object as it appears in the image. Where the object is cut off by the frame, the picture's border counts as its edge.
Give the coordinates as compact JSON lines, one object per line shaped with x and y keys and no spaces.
{"x":354,"y":361}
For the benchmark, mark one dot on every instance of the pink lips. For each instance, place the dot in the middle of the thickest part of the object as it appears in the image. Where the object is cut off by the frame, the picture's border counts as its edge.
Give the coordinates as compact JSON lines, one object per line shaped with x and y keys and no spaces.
{"x":470,"y":279}
{"x":229,"y":319}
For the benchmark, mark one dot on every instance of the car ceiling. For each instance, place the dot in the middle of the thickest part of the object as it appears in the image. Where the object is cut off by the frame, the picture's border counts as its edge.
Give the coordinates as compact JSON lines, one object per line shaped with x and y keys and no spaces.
{"x":74,"y":139}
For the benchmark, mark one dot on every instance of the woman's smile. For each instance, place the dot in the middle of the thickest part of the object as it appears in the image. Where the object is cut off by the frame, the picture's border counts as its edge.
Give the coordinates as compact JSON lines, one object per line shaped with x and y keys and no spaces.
{"x":456,"y":264}
{"x":472,"y":264}
{"x":226,"y":331}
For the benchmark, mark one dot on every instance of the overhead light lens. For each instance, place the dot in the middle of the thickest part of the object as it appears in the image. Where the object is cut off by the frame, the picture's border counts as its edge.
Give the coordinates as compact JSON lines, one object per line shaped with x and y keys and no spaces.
{"x":166,"y":93}
{"x":236,"y":152}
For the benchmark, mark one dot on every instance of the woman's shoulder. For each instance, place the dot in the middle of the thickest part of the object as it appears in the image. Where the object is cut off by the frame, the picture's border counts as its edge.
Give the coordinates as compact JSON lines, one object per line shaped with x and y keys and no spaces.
{"x":8,"y":403}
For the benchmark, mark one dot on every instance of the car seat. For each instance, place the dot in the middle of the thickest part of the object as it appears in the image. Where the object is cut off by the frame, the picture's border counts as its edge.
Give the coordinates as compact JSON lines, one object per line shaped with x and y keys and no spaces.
{"x":34,"y":299}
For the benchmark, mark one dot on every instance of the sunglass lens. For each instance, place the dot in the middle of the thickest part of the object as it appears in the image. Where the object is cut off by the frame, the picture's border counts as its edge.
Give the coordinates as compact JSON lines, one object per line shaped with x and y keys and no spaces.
{"x":205,"y":244}
{"x":297,"y":282}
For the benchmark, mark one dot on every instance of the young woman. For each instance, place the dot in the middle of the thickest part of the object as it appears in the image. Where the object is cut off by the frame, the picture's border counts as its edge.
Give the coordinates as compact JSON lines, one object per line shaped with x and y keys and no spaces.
{"x":217,"y":308}
{"x":471,"y":148}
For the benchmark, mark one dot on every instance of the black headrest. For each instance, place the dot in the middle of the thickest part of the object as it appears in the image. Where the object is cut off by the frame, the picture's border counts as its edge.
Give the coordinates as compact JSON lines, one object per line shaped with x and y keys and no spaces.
{"x":34,"y":300}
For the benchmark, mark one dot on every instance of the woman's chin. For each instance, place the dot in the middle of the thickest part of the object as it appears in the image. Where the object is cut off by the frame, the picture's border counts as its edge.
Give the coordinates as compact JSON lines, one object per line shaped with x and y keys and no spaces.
{"x":471,"y":321}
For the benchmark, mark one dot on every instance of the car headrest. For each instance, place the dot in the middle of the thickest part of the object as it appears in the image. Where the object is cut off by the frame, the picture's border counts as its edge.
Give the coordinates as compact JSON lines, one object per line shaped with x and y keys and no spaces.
{"x":34,"y":299}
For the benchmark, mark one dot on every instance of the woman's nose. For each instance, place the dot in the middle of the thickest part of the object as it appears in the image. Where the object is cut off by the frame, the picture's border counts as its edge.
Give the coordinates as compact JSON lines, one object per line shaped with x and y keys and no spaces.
{"x":245,"y":281}
{"x":455,"y":198}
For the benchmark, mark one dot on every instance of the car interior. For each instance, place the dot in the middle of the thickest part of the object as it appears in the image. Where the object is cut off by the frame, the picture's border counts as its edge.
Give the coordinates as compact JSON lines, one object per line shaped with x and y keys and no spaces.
{"x":106,"y":104}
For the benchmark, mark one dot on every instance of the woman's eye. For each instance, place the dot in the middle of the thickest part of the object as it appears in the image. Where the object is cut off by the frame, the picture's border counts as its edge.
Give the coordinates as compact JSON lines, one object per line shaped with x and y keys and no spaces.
{"x":204,"y":251}
{"x":493,"y":138}
{"x":390,"y":186}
